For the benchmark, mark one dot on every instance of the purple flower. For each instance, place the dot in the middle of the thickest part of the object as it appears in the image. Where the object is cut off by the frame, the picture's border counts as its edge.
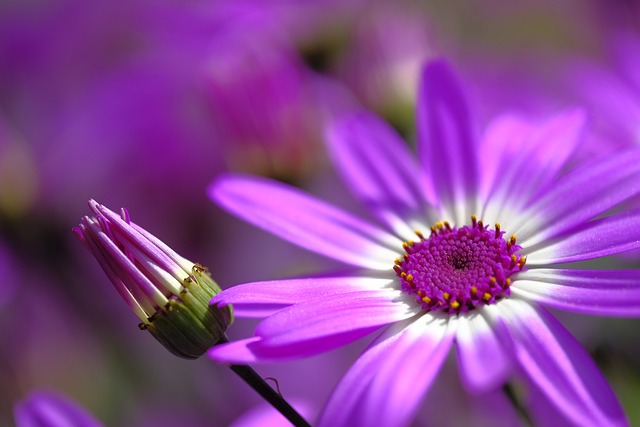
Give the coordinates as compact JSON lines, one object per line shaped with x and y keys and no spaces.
{"x":166,"y":291}
{"x":445,"y":268}
{"x":48,"y":409}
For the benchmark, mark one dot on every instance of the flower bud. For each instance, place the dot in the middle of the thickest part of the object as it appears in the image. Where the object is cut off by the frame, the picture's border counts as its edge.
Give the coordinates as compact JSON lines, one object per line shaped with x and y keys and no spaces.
{"x":168,"y":293}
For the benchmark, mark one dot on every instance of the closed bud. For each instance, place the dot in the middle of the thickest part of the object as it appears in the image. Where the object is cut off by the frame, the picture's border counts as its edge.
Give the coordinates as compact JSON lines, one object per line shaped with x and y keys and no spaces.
{"x":167,"y":292}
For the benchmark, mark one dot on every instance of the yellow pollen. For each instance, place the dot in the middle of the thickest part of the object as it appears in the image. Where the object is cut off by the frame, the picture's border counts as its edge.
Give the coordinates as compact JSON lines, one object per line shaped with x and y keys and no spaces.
{"x":409,"y":278}
{"x":446,"y":296}
{"x":474,"y":290}
{"x":426,"y":300}
{"x":492,"y":280}
{"x":419,"y":234}
{"x":522,"y":262}
{"x":397,"y":261}
{"x":439,"y":225}
{"x":474,"y":220}
{"x":403,"y":275}
{"x":508,"y":281}
{"x":486,"y":296}
{"x":447,"y":225}
{"x":455,"y":305}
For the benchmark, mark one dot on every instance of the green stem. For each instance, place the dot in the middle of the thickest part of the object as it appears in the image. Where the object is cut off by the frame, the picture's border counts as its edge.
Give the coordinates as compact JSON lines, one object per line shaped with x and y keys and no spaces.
{"x":513,"y":398}
{"x":276,"y":400}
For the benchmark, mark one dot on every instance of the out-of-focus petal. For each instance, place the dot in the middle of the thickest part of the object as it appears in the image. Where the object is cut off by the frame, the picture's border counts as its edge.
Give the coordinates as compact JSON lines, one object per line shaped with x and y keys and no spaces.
{"x":535,"y":160}
{"x":447,"y":141}
{"x":557,"y":364}
{"x":483,"y":360}
{"x":304,"y":220}
{"x":599,"y":292}
{"x":48,"y":409}
{"x":260,"y":299}
{"x":377,"y":165}
{"x":501,"y":144}
{"x":266,"y":415}
{"x":385,"y":386}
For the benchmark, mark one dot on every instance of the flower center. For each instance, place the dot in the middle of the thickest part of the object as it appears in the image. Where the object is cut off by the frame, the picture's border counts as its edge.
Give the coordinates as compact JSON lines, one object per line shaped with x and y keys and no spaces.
{"x":456,"y":269}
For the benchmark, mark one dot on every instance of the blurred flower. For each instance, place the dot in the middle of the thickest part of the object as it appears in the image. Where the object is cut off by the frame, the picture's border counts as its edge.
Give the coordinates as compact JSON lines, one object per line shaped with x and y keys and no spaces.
{"x":463,"y":282}
{"x":383,"y":57}
{"x":168,"y":293}
{"x":48,"y":409}
{"x":610,"y":89}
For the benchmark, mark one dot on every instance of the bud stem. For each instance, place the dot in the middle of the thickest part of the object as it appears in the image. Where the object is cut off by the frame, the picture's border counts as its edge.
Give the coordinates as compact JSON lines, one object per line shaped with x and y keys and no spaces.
{"x":257,"y":383}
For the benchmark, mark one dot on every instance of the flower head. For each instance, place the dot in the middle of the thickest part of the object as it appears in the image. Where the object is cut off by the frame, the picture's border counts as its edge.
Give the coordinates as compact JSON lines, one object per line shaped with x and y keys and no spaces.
{"x":168,"y":293}
{"x":474,"y":239}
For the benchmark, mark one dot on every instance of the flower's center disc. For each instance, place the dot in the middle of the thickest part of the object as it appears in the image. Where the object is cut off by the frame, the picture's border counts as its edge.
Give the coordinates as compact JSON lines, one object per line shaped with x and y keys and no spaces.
{"x":456,"y":269}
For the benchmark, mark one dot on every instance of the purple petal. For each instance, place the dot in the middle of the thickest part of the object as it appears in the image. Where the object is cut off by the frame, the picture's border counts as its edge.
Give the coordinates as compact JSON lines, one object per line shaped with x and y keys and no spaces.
{"x":542,"y":411}
{"x":536,"y":158}
{"x":501,"y":143}
{"x":343,"y":403}
{"x":599,"y":292}
{"x":48,"y":409}
{"x":260,"y":299}
{"x":549,"y":148}
{"x":447,"y":140}
{"x":334,"y":315}
{"x":317,"y":326}
{"x":582,"y":195}
{"x":387,"y":386}
{"x":607,"y":236}
{"x":254,"y":350}
{"x":308,"y":222}
{"x":557,"y":364}
{"x":483,"y":360}
{"x":376,"y":163}
{"x":238,"y":352}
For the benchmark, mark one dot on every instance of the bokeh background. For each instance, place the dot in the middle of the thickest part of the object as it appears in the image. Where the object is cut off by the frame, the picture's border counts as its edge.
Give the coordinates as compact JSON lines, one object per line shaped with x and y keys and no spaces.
{"x":142,"y":103}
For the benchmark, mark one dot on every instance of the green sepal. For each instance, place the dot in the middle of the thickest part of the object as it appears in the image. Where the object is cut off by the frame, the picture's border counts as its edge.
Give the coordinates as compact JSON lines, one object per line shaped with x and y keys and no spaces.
{"x":188,"y":325}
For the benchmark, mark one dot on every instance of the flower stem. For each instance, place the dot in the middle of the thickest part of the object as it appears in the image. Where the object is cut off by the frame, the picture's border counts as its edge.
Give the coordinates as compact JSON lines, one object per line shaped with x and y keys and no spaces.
{"x":276,"y":400}
{"x":512,"y":395}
